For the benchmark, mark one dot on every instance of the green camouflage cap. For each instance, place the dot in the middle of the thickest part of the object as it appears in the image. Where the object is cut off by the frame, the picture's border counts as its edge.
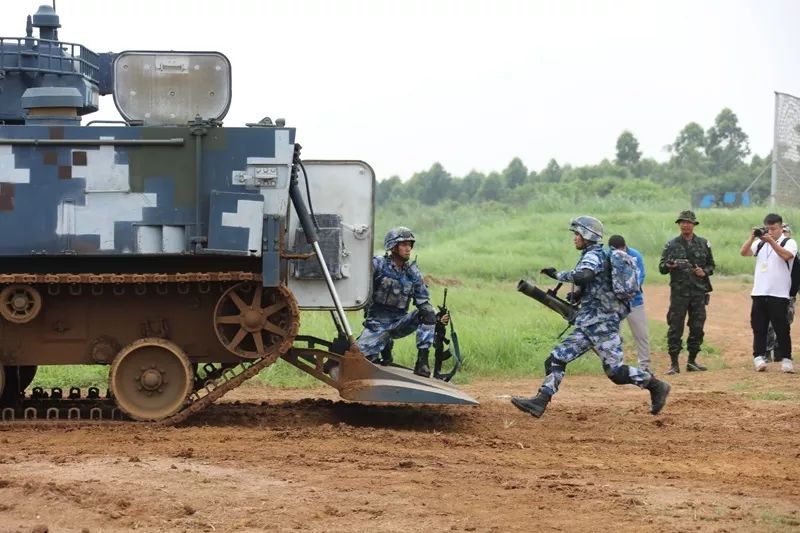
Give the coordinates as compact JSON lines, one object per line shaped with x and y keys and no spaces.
{"x":688,"y":216}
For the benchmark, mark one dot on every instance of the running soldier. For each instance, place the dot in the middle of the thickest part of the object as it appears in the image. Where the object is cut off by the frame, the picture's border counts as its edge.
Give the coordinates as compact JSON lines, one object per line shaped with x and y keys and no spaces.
{"x":396,"y":281}
{"x":688,"y":260}
{"x":596,"y":325}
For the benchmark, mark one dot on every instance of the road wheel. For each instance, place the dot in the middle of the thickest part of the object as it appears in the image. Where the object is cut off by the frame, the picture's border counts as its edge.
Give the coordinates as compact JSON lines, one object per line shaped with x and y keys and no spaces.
{"x":151,"y":379}
{"x":19,"y":304}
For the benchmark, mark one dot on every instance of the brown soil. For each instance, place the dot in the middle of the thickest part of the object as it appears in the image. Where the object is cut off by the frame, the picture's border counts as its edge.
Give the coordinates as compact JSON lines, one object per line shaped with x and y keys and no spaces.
{"x":724,"y":456}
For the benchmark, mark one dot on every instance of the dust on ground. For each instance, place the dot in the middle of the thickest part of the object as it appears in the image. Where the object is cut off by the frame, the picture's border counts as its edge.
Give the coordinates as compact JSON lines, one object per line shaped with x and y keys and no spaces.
{"x":724,"y":456}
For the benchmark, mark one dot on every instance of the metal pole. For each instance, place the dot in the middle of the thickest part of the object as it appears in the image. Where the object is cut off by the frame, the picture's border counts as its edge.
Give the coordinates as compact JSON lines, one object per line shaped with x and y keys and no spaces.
{"x":774,"y":183}
{"x":311,"y":238}
{"x":329,"y":281}
{"x":94,"y":142}
{"x":198,"y":175}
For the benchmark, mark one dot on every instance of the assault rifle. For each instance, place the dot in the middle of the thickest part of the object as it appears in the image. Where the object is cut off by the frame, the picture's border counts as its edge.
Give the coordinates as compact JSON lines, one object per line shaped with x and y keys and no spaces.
{"x":441,"y":344}
{"x":550,"y":300}
{"x":683,"y":264}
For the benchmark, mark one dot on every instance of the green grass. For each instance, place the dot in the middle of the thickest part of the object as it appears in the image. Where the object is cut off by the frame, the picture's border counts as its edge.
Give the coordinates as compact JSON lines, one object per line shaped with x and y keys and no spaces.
{"x":778,"y":521}
{"x":481,"y":251}
{"x":747,"y":389}
{"x":742,"y":386}
{"x":72,"y":376}
{"x":501,"y":243}
{"x":769,"y":396}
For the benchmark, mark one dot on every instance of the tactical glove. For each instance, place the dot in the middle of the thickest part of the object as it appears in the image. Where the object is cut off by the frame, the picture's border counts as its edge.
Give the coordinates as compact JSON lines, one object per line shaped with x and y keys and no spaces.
{"x":549,"y":271}
{"x":574,"y":296}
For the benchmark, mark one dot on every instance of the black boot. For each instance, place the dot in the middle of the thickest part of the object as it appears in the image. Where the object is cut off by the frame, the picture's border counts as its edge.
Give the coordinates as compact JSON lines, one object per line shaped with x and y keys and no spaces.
{"x":534,"y":406}
{"x":422,"y":368}
{"x":693,"y":366}
{"x":386,"y":354}
{"x":659,"y":390}
{"x":675,"y":367}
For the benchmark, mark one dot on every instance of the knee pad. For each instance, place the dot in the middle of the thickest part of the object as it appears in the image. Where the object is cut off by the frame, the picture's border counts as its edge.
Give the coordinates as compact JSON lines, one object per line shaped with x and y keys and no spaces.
{"x":427,"y":314}
{"x":618,"y":375}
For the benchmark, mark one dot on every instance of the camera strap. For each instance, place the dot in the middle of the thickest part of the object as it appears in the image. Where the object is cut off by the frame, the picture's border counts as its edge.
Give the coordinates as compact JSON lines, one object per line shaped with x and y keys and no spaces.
{"x":782,"y":243}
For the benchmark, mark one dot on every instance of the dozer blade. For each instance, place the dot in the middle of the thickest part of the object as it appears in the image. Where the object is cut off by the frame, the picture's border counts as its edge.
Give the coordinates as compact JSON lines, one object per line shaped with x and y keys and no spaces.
{"x":394,"y":384}
{"x":363,"y":381}
{"x":359,"y":380}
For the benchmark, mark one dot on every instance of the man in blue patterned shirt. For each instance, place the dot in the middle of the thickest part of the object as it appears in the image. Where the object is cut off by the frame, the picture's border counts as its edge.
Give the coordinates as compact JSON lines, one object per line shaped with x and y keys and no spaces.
{"x":637,"y":319}
{"x":596,"y":324}
{"x":396,"y":282}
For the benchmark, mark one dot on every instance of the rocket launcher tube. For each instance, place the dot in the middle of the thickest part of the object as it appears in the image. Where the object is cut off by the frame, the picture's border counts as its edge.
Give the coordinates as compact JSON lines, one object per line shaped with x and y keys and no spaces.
{"x":549,"y":299}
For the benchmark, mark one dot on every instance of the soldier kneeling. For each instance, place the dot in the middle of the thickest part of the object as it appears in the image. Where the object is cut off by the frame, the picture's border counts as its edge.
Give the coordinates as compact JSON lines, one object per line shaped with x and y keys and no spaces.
{"x":395,"y":282}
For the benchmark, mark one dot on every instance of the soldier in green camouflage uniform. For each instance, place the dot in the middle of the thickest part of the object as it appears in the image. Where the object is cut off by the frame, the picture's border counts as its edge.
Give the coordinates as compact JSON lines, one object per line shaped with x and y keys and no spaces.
{"x":688,"y":260}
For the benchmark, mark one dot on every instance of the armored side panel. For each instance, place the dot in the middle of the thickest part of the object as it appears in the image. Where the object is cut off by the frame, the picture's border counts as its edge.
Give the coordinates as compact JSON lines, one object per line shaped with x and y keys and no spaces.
{"x":342,"y":194}
{"x":77,"y":191}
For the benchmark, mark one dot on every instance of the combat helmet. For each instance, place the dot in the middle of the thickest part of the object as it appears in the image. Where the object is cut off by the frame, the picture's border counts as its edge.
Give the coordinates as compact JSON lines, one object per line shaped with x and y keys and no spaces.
{"x":397,"y":235}
{"x":587,"y":227}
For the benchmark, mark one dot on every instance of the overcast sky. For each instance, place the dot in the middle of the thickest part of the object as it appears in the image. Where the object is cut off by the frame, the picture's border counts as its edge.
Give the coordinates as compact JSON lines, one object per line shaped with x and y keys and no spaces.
{"x":470,"y":84}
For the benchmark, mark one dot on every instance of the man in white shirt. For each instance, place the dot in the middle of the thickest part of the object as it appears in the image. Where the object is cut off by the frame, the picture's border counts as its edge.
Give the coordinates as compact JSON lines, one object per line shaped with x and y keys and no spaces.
{"x":773,"y":354}
{"x":771,"y":282}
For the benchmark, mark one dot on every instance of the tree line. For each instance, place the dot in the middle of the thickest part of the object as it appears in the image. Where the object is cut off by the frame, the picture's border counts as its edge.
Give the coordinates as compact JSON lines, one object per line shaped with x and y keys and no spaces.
{"x":713,"y":160}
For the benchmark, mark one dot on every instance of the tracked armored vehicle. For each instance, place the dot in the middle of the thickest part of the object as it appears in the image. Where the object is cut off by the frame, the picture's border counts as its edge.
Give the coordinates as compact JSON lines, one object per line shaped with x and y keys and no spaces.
{"x":176,"y":251}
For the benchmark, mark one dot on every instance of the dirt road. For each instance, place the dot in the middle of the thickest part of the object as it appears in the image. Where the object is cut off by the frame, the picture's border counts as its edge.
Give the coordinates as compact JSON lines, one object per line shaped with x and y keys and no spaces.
{"x":724,"y":456}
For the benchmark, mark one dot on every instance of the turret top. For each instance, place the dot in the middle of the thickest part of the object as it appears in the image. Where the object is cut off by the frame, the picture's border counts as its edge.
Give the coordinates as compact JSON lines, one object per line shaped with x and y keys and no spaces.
{"x":47,"y":21}
{"x":46,"y":17}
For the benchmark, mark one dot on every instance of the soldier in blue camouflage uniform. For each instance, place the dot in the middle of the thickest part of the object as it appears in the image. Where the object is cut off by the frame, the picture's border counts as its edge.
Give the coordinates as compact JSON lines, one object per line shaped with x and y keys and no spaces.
{"x":395,"y":283}
{"x":689,"y":262}
{"x":596,"y":324}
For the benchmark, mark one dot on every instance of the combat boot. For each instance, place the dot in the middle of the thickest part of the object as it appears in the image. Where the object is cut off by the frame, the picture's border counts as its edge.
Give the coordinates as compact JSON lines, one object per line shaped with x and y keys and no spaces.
{"x":421,"y":368}
{"x":659,"y":390}
{"x":693,"y":366}
{"x":674,"y":367}
{"x":534,"y":406}
{"x":386,"y":354}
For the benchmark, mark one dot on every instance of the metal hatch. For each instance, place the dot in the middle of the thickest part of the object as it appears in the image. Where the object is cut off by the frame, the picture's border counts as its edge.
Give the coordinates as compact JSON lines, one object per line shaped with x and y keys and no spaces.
{"x":342,"y":195}
{"x":159,"y":88}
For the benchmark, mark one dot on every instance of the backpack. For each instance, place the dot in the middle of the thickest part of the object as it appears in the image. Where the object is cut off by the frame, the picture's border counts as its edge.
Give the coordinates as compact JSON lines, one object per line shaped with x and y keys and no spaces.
{"x":624,"y":275}
{"x":794,"y":268}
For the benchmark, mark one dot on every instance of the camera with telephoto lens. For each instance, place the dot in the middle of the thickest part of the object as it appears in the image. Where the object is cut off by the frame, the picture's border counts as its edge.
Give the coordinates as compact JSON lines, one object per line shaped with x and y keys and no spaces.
{"x":760,"y":232}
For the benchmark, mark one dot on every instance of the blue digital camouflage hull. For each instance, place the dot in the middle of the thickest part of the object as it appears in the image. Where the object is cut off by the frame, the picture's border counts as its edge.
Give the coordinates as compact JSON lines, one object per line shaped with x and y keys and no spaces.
{"x":61,"y":196}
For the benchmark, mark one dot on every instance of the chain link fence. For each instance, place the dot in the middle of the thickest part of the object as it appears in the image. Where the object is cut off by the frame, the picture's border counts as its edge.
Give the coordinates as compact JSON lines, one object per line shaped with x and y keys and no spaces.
{"x":786,"y":151}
